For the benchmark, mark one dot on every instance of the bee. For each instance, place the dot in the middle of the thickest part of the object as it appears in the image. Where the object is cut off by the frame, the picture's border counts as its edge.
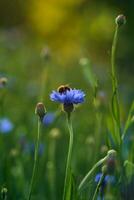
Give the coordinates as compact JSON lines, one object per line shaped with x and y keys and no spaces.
{"x":63,"y":88}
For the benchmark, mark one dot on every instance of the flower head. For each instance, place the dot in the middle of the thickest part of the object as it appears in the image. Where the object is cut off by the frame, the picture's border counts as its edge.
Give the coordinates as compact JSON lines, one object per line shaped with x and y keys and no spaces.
{"x":108,"y":179}
{"x":68,"y":96}
{"x":5,"y":125}
{"x":48,"y":118}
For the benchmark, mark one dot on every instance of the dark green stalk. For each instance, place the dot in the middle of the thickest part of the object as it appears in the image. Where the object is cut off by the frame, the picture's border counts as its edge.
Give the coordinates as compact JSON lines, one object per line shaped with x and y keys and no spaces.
{"x":69,"y":157}
{"x":35,"y":161}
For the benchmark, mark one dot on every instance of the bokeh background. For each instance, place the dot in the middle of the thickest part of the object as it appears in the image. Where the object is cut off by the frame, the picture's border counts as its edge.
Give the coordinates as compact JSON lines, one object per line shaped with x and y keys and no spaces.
{"x":44,"y":44}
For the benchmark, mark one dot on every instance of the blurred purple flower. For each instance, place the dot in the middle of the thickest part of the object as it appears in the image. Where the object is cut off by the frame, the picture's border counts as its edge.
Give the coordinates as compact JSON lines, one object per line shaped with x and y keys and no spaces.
{"x":6,"y":125}
{"x":49,"y":118}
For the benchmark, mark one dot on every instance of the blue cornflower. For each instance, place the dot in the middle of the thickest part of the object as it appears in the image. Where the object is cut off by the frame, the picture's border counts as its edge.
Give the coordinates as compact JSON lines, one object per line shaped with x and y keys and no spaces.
{"x":49,"y":118}
{"x":108,"y":179}
{"x":68,"y":96}
{"x":6,"y":125}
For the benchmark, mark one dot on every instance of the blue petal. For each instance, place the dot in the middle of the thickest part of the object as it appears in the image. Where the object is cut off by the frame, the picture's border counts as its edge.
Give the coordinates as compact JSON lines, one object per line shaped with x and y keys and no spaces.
{"x":70,"y":96}
{"x":49,"y":118}
{"x":98,"y":176}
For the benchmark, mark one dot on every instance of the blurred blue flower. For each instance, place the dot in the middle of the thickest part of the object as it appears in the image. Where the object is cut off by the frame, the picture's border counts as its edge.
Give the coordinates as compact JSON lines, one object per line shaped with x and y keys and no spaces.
{"x":49,"y":118}
{"x":100,"y":198}
{"x":41,"y":148}
{"x":71,"y":96}
{"x":6,"y":125}
{"x":108,"y":179}
{"x":30,"y":148}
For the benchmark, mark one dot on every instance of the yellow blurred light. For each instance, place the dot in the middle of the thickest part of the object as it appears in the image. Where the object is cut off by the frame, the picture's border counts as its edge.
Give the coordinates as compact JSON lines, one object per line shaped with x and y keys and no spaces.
{"x":100,"y":26}
{"x":46,"y":16}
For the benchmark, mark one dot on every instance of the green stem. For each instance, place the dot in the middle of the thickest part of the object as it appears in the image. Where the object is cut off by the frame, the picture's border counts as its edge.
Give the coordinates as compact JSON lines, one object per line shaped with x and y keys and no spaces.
{"x":97,"y":188}
{"x":35,"y":161}
{"x":51,"y":170}
{"x":85,"y":179}
{"x":115,"y":101}
{"x":113,"y":52}
{"x":69,"y":157}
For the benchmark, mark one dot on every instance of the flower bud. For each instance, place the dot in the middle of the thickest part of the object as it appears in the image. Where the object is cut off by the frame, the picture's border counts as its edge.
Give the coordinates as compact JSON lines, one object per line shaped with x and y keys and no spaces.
{"x":3,"y":82}
{"x":111,"y":160}
{"x":111,"y":164}
{"x":84,"y":61}
{"x":68,"y":107}
{"x":120,"y":20}
{"x":55,"y":133}
{"x":4,"y":193}
{"x":111,"y":153}
{"x":40,"y":110}
{"x":104,"y":149}
{"x":90,"y":141}
{"x":46,"y":54}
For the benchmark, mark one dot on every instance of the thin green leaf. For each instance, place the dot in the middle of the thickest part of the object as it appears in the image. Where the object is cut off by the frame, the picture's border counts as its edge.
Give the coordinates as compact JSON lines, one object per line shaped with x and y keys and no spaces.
{"x":129,"y":121}
{"x":129,"y":166}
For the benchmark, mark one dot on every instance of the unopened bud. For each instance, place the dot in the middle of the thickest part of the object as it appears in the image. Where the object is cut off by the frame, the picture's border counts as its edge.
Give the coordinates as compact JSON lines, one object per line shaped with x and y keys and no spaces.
{"x":111,"y":164}
{"x":111,"y":160}
{"x":40,"y":110}
{"x":3,"y":82}
{"x":120,"y":20}
{"x":45,"y":53}
{"x":55,"y":133}
{"x":104,"y":149}
{"x":4,"y":193}
{"x":111,"y":153}
{"x":84,"y":61}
